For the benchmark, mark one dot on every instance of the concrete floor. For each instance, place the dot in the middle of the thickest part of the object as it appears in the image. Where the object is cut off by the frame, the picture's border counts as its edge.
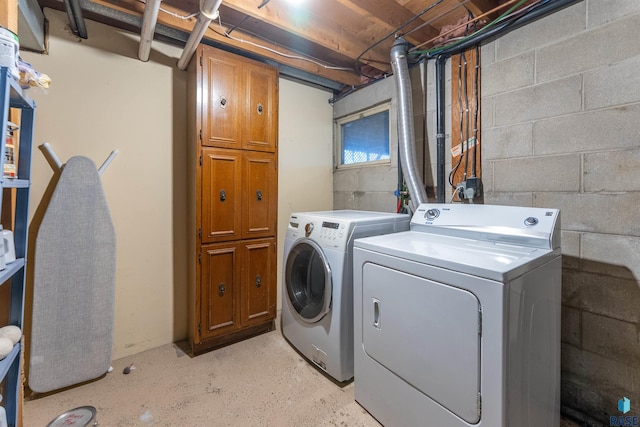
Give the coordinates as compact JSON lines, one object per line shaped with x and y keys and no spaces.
{"x":258,"y":382}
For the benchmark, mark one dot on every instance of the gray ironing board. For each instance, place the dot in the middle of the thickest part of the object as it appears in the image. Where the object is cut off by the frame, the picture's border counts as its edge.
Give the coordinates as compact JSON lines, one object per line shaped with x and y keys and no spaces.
{"x":74,"y":283}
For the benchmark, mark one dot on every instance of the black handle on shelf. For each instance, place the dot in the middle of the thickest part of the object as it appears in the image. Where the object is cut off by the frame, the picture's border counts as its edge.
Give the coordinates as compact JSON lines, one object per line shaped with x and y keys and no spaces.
{"x":221,"y":289}
{"x":258,"y":281}
{"x":259,"y":195}
{"x":223,"y":195}
{"x":260,"y":108}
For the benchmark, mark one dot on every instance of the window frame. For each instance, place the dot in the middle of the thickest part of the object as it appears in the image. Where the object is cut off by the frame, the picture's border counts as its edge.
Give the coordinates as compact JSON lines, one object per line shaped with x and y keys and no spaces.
{"x":352,"y":117}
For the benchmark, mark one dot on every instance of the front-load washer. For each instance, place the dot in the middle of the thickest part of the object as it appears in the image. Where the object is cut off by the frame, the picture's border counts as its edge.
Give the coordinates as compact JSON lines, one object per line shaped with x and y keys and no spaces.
{"x":317,"y":288}
{"x":457,"y":321}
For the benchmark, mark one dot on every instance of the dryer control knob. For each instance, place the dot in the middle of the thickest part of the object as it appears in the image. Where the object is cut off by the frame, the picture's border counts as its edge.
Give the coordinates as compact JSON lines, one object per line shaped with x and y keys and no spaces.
{"x":432,"y":214}
{"x":531,"y":221}
{"x":308,"y":229}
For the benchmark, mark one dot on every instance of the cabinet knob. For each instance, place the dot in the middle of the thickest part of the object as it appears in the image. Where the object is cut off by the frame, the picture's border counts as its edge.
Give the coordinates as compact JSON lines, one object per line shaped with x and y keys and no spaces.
{"x":259,"y":195}
{"x":260,"y":108}
{"x":223,"y":102}
{"x":258,"y":281}
{"x":223,"y":195}
{"x":221,"y":289}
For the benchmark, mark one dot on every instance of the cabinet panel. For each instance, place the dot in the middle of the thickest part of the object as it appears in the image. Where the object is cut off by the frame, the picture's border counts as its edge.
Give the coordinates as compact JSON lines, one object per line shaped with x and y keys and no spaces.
{"x":261,"y":109}
{"x":260,"y":195}
{"x":259,"y":282}
{"x":223,"y":101}
{"x":221,"y":194}
{"x":220,"y":290}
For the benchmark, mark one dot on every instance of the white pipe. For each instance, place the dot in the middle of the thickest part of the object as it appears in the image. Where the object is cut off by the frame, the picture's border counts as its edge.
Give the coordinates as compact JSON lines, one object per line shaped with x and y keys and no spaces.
{"x":149,"y":20}
{"x":107,"y":162}
{"x":208,"y":12}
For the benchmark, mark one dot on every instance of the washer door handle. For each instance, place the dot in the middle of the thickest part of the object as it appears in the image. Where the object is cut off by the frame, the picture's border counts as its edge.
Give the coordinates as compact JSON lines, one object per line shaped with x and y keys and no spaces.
{"x":376,"y":313}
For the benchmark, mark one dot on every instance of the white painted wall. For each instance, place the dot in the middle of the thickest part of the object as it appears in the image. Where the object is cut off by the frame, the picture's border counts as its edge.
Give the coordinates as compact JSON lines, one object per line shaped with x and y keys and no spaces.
{"x":102,"y":97}
{"x":305,"y":170}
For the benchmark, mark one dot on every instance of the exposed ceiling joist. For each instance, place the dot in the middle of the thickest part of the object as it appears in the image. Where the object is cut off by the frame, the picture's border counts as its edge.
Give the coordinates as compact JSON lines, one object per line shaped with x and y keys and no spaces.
{"x":241,"y":42}
{"x":343,"y":41}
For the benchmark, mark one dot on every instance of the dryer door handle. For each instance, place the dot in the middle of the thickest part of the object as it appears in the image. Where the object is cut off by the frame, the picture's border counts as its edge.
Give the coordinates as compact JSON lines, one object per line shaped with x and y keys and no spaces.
{"x":376,"y":313}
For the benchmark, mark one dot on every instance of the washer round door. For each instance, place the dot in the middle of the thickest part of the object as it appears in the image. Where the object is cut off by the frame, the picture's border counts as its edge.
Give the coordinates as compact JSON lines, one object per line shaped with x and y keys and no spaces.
{"x":308,"y":280}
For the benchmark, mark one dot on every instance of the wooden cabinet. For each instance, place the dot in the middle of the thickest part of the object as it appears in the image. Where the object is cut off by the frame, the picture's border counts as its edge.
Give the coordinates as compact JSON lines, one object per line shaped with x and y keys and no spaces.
{"x":237,"y":286}
{"x":239,"y":194}
{"x":239,"y":102}
{"x":233,"y":191}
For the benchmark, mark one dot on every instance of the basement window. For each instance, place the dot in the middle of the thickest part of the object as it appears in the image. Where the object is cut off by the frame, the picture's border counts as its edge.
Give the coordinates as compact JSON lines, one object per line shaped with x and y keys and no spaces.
{"x":363,"y":138}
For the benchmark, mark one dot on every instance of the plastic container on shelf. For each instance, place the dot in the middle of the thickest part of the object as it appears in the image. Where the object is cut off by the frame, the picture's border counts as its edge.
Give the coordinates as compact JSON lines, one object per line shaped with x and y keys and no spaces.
{"x":9,"y":47}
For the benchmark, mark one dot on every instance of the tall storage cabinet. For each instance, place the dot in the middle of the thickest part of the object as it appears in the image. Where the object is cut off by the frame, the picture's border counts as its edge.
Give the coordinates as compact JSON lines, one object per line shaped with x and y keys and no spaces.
{"x":233,"y":183}
{"x":13,"y":275}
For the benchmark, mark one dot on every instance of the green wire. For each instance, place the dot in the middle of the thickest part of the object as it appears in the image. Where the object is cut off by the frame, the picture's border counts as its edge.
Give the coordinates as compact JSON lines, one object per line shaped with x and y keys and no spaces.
{"x":489,"y":25}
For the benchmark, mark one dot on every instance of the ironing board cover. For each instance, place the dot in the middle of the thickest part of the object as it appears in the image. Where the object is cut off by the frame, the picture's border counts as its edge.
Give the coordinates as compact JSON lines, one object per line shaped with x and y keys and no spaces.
{"x":74,"y":283}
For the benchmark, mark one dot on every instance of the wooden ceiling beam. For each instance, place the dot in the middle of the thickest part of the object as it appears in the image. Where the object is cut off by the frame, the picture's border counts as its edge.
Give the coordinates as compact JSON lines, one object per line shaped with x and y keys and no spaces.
{"x":326,"y":23}
{"x":479,"y":7}
{"x":390,"y":15}
{"x":136,"y":8}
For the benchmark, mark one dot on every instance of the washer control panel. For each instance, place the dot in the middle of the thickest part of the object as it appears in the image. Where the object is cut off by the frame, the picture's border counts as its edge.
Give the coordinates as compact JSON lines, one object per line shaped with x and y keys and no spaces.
{"x":333,"y":233}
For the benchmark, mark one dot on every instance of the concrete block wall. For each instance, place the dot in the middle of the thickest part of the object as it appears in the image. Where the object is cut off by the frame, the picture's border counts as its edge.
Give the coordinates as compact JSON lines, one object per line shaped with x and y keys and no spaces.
{"x":367,"y":187}
{"x":561,"y":128}
{"x":372,"y":187}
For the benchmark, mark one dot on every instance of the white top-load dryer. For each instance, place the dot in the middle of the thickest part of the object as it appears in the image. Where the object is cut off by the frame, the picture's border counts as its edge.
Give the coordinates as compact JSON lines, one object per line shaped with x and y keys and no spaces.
{"x":457,"y":322}
{"x":317,"y":282}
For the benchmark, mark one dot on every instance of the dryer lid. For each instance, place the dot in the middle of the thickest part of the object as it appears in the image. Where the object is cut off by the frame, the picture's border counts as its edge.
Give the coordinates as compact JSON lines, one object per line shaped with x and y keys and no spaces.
{"x":427,"y":334}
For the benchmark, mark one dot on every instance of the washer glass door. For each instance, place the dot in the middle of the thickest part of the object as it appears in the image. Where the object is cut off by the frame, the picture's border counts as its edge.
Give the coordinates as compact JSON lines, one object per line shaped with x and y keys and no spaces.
{"x":308,"y":280}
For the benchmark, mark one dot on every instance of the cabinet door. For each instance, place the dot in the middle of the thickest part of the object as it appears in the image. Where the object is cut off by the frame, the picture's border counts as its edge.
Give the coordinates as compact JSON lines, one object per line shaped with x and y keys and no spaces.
{"x":259,"y":282}
{"x":221,"y":194}
{"x":223,"y":99}
{"x":259,"y":195}
{"x":219,"y":289}
{"x":261,"y":110}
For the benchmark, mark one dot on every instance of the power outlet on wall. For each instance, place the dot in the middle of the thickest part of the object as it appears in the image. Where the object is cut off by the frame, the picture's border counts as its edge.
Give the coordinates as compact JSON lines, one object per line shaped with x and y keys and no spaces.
{"x":469,"y":189}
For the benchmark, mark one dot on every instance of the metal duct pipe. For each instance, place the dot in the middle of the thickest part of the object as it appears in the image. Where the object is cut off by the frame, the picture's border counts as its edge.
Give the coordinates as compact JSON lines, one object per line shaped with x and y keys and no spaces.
{"x":149,"y":20}
{"x":406,"y":135}
{"x":74,"y":12}
{"x":208,"y":12}
{"x":440,"y":119}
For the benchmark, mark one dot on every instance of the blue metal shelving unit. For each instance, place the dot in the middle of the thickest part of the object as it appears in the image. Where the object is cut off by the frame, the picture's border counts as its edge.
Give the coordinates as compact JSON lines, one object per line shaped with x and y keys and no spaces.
{"x":12,"y":96}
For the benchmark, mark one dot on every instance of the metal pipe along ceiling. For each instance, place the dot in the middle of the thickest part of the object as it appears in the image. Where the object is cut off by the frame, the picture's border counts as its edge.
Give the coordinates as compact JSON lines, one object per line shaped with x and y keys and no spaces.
{"x":76,"y":22}
{"x":406,"y":135}
{"x":149,"y":20}
{"x":208,"y":12}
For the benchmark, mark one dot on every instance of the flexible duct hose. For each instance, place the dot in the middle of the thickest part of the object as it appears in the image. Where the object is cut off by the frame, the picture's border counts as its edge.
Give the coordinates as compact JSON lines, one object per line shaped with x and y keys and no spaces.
{"x":406,"y":135}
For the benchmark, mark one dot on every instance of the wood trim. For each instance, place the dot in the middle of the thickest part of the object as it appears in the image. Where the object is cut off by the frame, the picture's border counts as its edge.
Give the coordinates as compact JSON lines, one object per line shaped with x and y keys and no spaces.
{"x":221,"y":341}
{"x":9,"y":14}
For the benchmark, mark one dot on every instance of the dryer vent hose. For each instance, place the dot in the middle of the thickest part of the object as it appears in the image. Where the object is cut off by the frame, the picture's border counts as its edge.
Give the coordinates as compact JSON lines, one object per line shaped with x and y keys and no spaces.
{"x":406,"y":135}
